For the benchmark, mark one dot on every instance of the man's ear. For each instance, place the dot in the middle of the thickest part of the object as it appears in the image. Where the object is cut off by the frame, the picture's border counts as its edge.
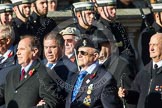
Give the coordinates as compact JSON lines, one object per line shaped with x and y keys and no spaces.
{"x":32,"y":5}
{"x":35,"y":51}
{"x":14,"y":8}
{"x":78,"y":14}
{"x":99,"y":9}
{"x":96,"y":56}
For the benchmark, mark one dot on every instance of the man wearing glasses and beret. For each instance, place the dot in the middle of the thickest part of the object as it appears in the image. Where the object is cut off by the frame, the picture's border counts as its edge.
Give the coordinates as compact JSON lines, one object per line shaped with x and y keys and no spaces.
{"x":93,"y":86}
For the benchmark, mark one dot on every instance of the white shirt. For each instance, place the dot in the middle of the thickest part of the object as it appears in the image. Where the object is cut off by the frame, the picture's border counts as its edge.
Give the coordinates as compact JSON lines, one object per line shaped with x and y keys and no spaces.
{"x":53,"y":65}
{"x":91,"y":68}
{"x":158,"y":63}
{"x":5,"y":55}
{"x":26,"y":68}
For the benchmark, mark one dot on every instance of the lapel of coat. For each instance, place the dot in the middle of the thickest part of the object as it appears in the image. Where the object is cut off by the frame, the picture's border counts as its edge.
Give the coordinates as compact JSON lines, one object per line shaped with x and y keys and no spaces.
{"x":88,"y":80}
{"x":29,"y":74}
{"x":160,"y":70}
{"x":16,"y":76}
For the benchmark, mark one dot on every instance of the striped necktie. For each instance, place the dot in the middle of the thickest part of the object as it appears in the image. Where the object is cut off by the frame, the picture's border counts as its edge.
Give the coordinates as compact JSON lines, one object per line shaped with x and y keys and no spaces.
{"x":78,"y":84}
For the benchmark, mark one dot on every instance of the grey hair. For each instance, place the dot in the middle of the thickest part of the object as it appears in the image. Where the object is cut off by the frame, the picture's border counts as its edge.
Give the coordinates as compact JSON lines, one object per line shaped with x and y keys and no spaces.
{"x":7,"y":32}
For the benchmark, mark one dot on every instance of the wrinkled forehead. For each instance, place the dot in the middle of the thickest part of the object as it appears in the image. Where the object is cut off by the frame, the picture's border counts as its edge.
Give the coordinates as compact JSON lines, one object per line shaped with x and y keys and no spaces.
{"x":89,"y":49}
{"x":157,"y":38}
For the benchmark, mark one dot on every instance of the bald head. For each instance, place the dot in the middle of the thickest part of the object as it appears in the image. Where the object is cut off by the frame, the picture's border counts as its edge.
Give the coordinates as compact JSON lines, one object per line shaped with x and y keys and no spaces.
{"x":155,"y":47}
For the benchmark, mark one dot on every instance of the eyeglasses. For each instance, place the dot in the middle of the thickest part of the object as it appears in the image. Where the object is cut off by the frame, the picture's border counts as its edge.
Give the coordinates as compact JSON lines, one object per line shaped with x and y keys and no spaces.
{"x":84,"y":53}
{"x":2,"y":41}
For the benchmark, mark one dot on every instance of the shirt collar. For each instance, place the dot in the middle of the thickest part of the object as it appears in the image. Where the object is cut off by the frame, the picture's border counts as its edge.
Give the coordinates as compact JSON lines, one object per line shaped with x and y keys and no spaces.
{"x":70,"y":55}
{"x":7,"y":53}
{"x":27,"y":67}
{"x":52,"y":65}
{"x":158,"y":63}
{"x":91,"y":68}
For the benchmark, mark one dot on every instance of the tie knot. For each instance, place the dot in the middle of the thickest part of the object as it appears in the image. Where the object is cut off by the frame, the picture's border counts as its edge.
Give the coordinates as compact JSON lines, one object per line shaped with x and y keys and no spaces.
{"x":155,"y":66}
{"x":50,"y":65}
{"x":83,"y":74}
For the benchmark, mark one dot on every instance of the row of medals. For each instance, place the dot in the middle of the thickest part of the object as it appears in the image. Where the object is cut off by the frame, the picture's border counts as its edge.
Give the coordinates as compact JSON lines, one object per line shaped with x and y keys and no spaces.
{"x":87,"y":99}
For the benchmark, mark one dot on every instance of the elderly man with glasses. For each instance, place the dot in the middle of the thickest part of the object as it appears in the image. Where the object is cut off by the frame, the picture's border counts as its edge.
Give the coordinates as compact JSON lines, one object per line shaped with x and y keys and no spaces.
{"x":93,"y":86}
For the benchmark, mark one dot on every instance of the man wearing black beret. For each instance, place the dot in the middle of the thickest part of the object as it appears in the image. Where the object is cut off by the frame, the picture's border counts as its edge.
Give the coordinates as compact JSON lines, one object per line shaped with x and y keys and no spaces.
{"x":93,"y":86}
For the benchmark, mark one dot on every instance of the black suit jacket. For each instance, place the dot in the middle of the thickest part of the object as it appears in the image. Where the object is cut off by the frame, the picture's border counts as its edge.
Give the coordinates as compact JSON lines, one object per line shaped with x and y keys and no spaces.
{"x":26,"y":93}
{"x":121,"y":69}
{"x":103,"y":94}
{"x":64,"y":68}
{"x":61,"y":74}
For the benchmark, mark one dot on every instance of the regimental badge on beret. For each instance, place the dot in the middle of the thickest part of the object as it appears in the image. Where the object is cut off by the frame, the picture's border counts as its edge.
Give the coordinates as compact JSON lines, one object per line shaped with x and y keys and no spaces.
{"x":87,"y":42}
{"x":84,"y":42}
{"x":69,"y":30}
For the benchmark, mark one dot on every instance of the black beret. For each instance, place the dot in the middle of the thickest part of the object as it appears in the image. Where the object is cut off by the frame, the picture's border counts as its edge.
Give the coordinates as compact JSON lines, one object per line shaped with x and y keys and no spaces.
{"x":86,"y":42}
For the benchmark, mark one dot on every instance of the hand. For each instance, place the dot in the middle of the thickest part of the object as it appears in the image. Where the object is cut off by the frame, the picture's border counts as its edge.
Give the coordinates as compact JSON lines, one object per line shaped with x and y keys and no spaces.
{"x":41,"y":102}
{"x":122,"y":92}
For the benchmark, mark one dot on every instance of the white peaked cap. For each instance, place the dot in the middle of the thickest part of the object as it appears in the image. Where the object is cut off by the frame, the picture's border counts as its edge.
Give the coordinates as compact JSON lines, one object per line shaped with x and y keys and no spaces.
{"x":5,"y":8}
{"x":157,"y":7}
{"x":18,"y":2}
{"x":81,"y":6}
{"x":106,"y":2}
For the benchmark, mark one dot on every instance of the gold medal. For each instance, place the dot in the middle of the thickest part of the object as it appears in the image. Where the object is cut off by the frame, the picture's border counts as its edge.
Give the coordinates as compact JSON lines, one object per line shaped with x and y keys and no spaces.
{"x":89,"y":92}
{"x":87,"y":101}
{"x":90,"y":87}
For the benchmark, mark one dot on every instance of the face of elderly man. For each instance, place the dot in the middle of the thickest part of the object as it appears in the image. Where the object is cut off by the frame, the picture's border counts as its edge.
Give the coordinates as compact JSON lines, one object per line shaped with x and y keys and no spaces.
{"x":5,"y":38}
{"x":86,"y":56}
{"x":155,"y":47}
{"x":70,"y":43}
{"x":25,"y":52}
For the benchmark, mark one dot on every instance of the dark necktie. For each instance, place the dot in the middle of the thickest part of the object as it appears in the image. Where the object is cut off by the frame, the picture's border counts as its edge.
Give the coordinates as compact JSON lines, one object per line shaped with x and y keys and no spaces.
{"x":22,"y":74}
{"x":78,"y":84}
{"x":155,"y":69}
{"x":155,"y":66}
